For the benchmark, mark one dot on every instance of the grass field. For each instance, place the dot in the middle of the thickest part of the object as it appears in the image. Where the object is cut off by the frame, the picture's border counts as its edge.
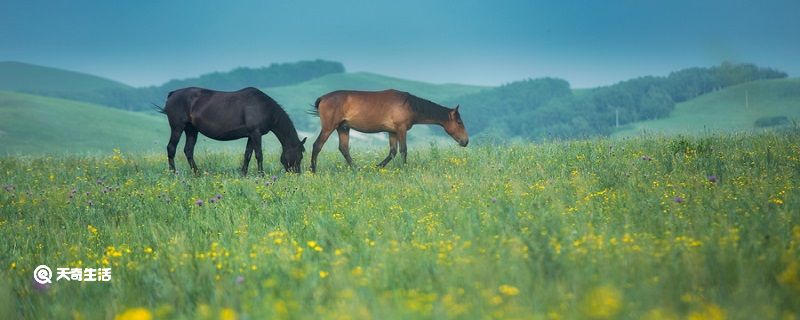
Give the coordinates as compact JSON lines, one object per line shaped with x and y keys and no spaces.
{"x":733,"y":109}
{"x":642,"y":228}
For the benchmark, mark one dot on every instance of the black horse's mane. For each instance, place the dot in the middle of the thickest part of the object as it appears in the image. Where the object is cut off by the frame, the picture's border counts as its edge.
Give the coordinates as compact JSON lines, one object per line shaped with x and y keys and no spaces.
{"x":283,"y":123}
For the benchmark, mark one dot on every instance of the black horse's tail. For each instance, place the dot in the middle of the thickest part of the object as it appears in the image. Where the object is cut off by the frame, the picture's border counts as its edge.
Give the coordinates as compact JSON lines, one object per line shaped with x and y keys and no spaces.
{"x":159,"y":109}
{"x":315,"y":111}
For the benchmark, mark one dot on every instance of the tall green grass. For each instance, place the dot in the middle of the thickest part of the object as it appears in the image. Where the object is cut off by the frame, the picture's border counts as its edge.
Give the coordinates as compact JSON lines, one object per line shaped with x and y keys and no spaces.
{"x":642,"y":228}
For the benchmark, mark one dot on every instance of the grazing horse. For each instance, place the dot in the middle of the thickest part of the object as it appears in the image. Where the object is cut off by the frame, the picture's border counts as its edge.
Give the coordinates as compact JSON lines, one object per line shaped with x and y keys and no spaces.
{"x":247,"y":113}
{"x":389,"y":111}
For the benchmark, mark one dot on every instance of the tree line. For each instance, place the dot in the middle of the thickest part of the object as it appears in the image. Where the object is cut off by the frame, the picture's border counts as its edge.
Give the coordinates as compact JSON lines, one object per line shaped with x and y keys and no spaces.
{"x":138,"y":99}
{"x":549,"y":109}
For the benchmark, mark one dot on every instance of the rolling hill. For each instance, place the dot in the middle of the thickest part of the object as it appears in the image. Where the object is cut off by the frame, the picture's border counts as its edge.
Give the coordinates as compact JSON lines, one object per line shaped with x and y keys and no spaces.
{"x":23,"y":77}
{"x":32,"y":124}
{"x":36,"y":124}
{"x":729,"y":110}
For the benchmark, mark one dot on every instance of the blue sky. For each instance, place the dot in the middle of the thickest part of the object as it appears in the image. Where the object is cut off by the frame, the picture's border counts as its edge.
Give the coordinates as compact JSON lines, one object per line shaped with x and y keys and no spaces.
{"x":477,"y":42}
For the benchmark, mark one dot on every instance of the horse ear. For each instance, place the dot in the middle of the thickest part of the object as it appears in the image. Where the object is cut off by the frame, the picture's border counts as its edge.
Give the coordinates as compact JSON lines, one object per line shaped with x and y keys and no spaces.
{"x":303,"y":141}
{"x":456,"y":109}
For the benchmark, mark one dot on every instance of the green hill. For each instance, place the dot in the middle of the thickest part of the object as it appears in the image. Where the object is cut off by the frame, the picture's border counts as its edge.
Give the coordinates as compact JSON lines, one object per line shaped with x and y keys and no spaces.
{"x":37,"y":124}
{"x":736,"y":108}
{"x":32,"y":124}
{"x":23,"y":77}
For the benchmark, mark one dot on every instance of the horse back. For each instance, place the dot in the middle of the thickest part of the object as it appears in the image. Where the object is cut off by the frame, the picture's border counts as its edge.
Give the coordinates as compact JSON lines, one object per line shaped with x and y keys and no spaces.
{"x":366,"y":111}
{"x":222,"y":115}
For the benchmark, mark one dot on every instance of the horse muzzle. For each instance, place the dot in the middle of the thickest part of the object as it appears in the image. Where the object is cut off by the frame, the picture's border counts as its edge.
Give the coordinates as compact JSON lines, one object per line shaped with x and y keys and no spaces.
{"x":463,"y":143}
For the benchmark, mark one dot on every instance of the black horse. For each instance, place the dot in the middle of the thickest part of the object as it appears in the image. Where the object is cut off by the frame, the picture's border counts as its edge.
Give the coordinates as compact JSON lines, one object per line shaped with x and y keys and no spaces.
{"x":247,"y":113}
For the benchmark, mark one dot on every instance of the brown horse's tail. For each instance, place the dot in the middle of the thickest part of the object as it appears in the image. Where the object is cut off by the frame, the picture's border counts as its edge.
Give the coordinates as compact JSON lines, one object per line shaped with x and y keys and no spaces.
{"x":315,"y":111}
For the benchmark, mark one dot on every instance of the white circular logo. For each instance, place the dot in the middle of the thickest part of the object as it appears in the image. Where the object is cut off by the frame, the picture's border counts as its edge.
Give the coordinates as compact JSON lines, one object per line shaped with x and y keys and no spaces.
{"x":42,"y":274}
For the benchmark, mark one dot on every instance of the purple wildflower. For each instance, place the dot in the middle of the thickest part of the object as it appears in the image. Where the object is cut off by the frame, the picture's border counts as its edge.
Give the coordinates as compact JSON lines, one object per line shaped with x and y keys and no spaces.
{"x":212,"y":200}
{"x":99,"y":181}
{"x":219,"y":196}
{"x":494,"y":200}
{"x":9,"y":187}
{"x":199,"y":202}
{"x":239,"y":279}
{"x":267,"y":183}
{"x":90,"y":203}
{"x":646,"y":158}
{"x":274,"y":178}
{"x":712,"y":179}
{"x":40,"y":287}
{"x":678,"y":199}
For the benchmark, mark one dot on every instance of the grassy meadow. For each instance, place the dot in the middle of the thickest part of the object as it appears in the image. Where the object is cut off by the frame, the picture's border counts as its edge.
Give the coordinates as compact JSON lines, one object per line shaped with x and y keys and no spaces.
{"x":641,"y":228}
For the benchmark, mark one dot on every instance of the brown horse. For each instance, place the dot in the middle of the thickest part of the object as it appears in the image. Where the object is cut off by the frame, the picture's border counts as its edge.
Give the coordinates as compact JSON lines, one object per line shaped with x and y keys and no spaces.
{"x":247,"y":113}
{"x":389,"y":111}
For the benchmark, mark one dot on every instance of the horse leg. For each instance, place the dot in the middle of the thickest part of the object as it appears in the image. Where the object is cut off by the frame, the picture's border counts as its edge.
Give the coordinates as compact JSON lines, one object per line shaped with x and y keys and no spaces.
{"x":392,"y":149}
{"x":248,"y":152}
{"x":188,"y":148}
{"x":323,"y":136}
{"x":401,"y":137}
{"x":256,"y":137}
{"x":344,"y":144}
{"x":174,"y":138}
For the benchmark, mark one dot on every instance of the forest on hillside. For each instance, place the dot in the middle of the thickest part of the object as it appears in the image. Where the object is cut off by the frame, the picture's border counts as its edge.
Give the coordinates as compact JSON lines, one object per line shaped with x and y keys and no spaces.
{"x":531,"y":109}
{"x":139,"y":99}
{"x":548,"y":108}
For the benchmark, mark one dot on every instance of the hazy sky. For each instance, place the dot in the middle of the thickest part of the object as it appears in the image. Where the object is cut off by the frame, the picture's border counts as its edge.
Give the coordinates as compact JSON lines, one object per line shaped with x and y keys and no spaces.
{"x":588,"y":43}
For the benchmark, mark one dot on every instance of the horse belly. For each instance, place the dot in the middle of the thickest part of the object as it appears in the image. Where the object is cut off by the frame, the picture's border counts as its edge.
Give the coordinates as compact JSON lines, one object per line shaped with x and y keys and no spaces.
{"x":227,"y":136}
{"x":368,"y":127}
{"x":217,"y":133}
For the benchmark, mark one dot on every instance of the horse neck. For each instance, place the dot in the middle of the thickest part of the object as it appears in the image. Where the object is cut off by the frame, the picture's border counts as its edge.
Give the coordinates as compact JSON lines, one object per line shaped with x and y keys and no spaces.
{"x":285,"y":132}
{"x":431,"y":113}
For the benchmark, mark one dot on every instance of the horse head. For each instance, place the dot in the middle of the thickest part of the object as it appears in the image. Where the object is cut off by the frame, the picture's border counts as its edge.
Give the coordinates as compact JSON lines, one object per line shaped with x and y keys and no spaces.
{"x":292,"y":156}
{"x":455,"y":127}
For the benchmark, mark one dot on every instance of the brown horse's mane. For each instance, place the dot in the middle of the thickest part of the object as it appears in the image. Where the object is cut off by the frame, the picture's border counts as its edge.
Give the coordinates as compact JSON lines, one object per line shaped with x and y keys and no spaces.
{"x":426,"y":109}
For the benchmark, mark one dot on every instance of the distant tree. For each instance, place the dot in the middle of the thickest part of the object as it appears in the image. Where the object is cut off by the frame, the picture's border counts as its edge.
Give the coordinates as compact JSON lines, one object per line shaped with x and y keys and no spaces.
{"x":547,"y":109}
{"x":140,"y":98}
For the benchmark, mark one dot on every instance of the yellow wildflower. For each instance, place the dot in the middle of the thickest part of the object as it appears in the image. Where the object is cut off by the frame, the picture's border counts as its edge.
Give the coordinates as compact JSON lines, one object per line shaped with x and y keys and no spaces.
{"x":228,"y":314}
{"x":509,"y":290}
{"x":602,"y":303}
{"x":708,"y":312}
{"x":135,"y":314}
